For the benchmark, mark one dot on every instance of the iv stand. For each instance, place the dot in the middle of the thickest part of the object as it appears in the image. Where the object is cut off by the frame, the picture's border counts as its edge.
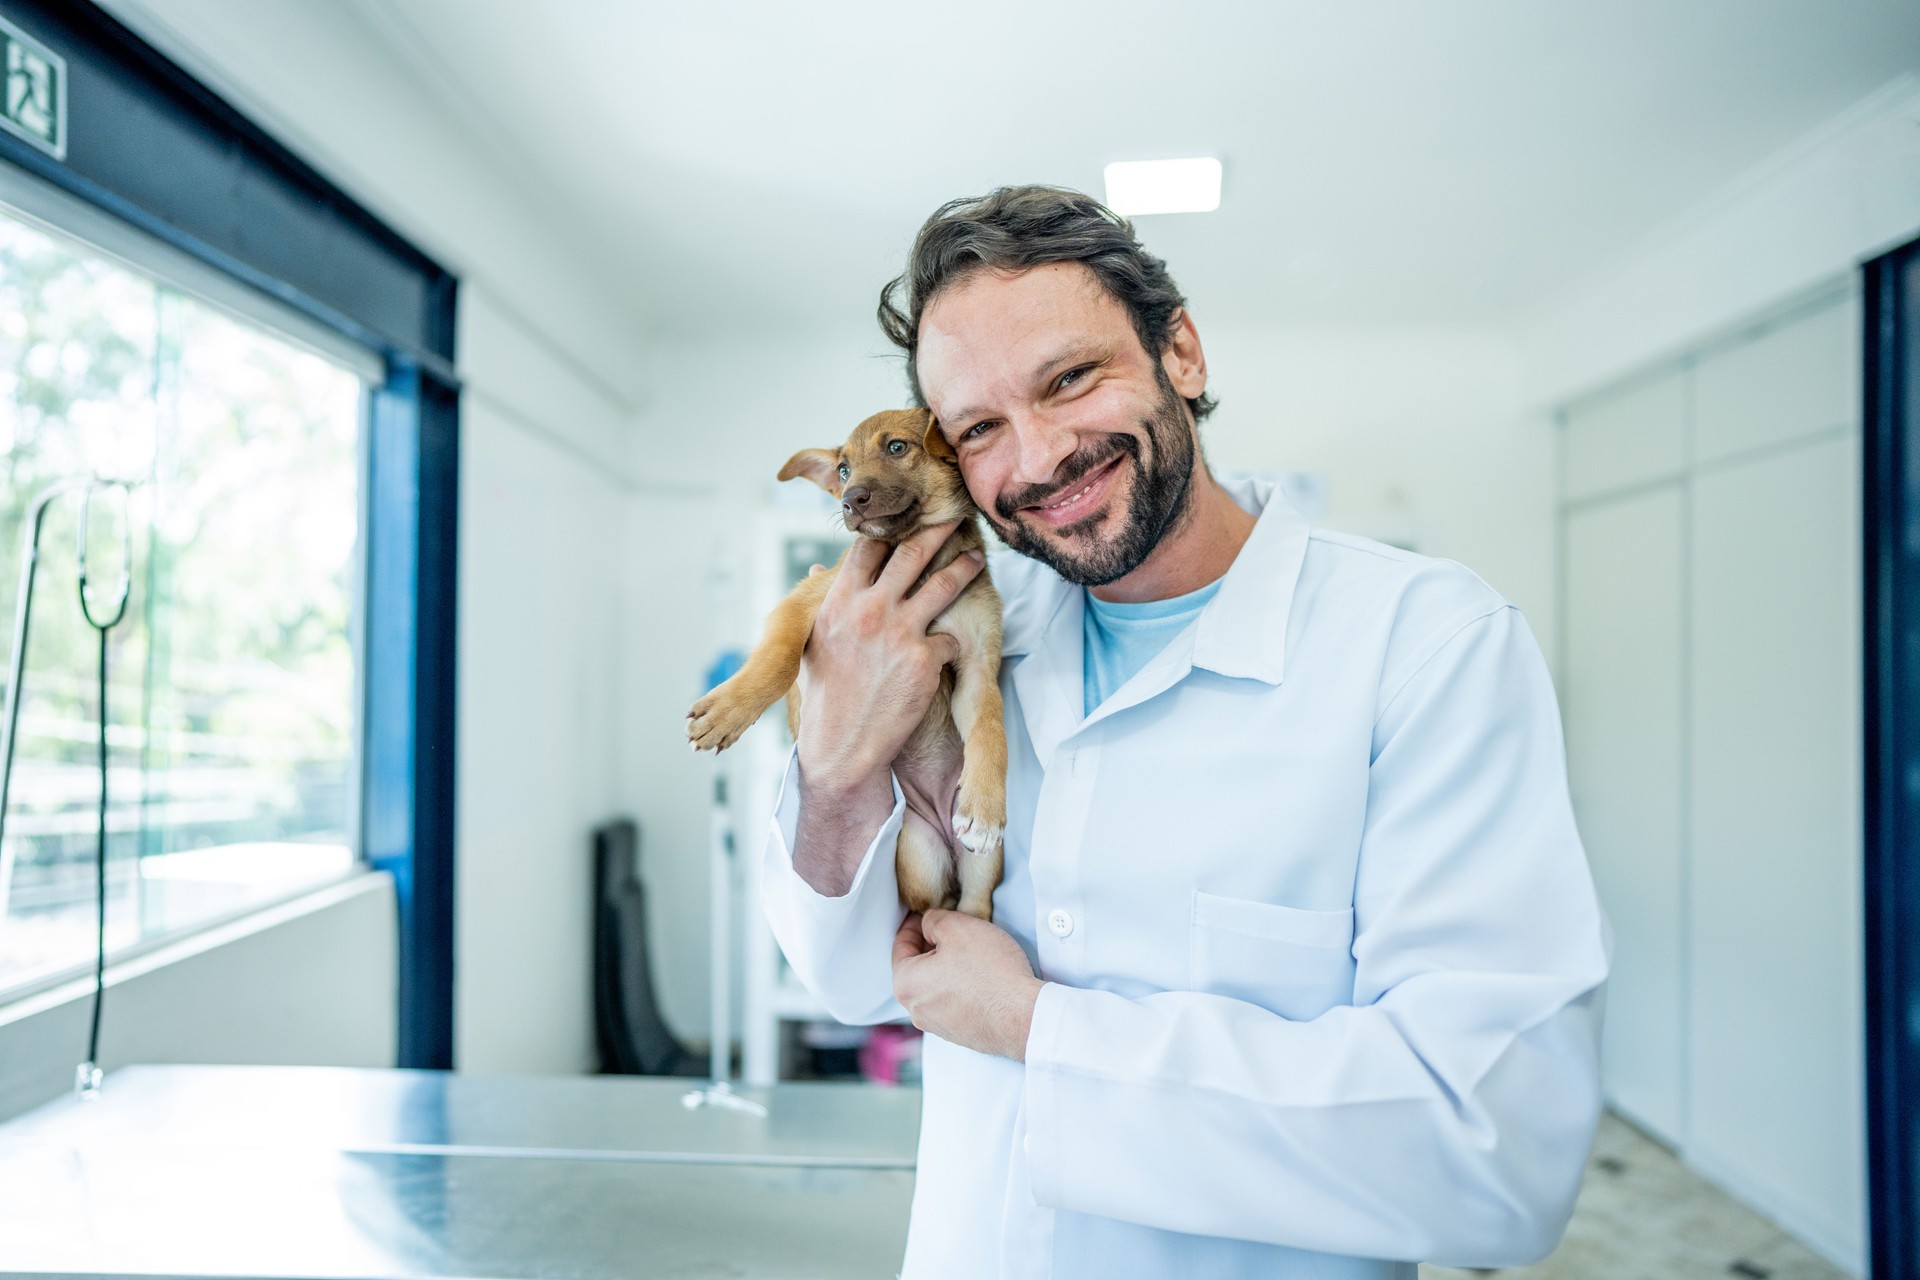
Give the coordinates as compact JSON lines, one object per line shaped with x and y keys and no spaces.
{"x":718,"y":1092}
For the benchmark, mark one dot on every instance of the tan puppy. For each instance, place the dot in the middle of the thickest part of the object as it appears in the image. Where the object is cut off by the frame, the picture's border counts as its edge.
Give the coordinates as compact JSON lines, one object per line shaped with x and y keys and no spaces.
{"x":896,"y":475}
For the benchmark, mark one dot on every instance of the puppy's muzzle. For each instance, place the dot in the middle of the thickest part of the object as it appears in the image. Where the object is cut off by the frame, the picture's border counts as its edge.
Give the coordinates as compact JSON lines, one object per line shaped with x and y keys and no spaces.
{"x":861,"y":505}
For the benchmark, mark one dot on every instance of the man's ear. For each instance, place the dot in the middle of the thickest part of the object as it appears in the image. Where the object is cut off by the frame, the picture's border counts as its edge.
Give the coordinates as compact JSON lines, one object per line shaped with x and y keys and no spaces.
{"x":935,"y":443}
{"x":822,"y":466}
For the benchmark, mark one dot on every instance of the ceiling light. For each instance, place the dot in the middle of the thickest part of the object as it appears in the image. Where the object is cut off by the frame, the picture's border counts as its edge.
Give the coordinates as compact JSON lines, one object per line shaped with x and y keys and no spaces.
{"x":1163,"y":186}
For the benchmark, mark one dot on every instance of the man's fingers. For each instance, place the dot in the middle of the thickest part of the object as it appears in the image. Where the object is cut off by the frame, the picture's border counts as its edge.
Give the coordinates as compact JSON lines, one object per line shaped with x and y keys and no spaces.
{"x":863,"y":561}
{"x":818,"y":568}
{"x":910,"y":941}
{"x":940,"y":926}
{"x":944,"y":587}
{"x":913,"y":555}
{"x":948,"y":647}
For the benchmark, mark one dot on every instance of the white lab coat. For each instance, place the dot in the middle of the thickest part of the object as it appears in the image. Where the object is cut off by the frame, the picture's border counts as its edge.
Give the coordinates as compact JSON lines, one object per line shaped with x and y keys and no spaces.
{"x":1324,"y":958}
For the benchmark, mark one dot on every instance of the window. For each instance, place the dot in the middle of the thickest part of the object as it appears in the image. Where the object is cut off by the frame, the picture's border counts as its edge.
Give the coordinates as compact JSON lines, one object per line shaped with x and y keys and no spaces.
{"x":228,"y":210}
{"x":234,"y":739}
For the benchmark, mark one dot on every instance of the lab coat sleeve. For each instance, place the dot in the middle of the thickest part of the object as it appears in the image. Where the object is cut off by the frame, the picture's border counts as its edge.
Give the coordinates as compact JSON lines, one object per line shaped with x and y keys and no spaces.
{"x":840,"y":948}
{"x":1446,"y":1114}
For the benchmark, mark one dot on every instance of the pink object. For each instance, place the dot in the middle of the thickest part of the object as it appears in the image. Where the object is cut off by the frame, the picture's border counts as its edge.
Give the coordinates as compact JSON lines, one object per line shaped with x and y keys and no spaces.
{"x":891,"y":1055}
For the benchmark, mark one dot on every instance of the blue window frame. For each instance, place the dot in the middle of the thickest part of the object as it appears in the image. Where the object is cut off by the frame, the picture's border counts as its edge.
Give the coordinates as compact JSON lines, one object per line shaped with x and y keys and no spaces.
{"x":1891,"y":506}
{"x":150,"y":145}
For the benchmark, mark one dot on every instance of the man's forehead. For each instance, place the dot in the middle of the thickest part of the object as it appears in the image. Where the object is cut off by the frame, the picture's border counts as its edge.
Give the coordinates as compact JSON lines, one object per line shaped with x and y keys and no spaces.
{"x":997,"y":327}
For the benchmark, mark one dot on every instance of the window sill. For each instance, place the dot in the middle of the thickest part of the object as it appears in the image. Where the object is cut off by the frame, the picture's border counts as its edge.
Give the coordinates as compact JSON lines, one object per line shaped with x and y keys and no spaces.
{"x":52,"y":990}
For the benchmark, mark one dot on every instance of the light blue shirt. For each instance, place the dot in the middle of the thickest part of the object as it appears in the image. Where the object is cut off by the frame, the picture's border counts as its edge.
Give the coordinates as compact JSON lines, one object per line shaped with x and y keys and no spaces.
{"x":1122,"y":638}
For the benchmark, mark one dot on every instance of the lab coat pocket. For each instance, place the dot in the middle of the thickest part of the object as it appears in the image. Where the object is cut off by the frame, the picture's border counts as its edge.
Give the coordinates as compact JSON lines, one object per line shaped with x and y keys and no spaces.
{"x":1295,"y":962}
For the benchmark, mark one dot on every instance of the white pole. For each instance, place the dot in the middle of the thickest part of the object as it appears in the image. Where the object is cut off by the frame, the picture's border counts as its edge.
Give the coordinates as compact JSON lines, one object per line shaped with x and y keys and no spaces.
{"x":720,"y":940}
{"x":718,"y":1091}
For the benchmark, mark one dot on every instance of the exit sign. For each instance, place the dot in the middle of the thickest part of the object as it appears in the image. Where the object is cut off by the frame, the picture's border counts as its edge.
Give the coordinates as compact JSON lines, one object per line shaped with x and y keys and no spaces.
{"x":35,"y":103}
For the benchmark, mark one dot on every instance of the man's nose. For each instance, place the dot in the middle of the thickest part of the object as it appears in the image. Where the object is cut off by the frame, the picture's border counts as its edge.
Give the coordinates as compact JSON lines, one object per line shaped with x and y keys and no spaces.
{"x":1039,"y":449}
{"x":856,"y":499}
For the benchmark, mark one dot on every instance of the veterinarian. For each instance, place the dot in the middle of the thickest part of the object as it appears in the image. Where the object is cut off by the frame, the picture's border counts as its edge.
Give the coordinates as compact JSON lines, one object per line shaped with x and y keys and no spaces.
{"x":1296,"y":968}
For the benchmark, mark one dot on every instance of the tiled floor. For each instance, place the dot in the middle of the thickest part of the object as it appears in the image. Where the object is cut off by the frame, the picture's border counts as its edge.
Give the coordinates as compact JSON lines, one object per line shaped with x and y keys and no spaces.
{"x":1642,"y":1214}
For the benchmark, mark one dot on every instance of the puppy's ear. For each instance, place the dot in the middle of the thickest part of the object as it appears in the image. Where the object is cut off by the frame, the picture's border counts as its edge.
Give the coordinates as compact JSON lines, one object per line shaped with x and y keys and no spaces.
{"x":935,"y":443}
{"x":822,"y":466}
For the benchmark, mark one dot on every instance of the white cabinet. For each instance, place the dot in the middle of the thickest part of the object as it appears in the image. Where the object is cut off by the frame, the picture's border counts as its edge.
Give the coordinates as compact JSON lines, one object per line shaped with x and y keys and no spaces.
{"x":1624,"y":694}
{"x":1775,"y":939}
{"x":1624,"y":436}
{"x":1791,"y":379}
{"x":1711,"y":530}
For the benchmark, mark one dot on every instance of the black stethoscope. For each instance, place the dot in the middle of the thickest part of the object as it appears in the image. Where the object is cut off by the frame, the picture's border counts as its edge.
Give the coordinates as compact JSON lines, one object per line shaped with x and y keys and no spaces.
{"x":87,"y":1075}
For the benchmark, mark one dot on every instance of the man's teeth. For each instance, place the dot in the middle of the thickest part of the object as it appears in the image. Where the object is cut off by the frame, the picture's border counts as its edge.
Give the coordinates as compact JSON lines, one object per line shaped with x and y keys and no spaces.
{"x":1070,"y":498}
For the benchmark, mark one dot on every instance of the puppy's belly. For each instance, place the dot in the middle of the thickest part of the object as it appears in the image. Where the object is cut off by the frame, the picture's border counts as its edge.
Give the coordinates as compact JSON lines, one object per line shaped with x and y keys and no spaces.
{"x":929,"y":774}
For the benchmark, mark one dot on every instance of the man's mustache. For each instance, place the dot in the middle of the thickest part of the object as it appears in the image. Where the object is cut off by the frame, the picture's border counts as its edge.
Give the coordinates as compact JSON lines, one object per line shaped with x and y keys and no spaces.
{"x":1083,"y":462}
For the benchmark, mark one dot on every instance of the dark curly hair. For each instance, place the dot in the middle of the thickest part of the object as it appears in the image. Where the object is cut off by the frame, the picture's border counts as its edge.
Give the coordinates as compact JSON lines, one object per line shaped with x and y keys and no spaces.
{"x":1014,"y":228}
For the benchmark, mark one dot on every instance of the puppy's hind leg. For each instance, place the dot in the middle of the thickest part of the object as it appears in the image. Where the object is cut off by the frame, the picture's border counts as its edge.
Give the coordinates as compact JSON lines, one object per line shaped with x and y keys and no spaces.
{"x":980,"y":810}
{"x":922,"y":865}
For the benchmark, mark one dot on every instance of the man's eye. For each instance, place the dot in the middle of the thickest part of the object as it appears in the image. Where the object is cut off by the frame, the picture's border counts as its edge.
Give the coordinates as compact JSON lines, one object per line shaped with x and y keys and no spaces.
{"x":896,"y":447}
{"x":1071,"y":376}
{"x":845,"y":471}
{"x":974,"y":431}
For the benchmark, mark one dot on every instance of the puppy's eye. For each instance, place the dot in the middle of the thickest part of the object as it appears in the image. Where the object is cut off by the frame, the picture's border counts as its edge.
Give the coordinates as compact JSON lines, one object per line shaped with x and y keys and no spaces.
{"x":845,"y":471}
{"x":896,"y":447}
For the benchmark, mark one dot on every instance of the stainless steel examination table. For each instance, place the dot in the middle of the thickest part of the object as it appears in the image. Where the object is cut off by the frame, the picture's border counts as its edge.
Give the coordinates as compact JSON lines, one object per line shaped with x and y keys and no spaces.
{"x":318,"y":1171}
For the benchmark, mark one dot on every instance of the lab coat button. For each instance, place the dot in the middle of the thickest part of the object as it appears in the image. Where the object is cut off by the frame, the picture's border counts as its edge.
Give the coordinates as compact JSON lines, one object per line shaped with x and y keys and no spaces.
{"x":1061,"y":923}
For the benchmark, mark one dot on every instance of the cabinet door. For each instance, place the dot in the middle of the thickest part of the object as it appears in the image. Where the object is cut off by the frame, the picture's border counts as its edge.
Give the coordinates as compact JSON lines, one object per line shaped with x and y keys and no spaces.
{"x":1798,"y":378}
{"x":1625,"y":437}
{"x":1775,"y":939}
{"x":1623,"y":695}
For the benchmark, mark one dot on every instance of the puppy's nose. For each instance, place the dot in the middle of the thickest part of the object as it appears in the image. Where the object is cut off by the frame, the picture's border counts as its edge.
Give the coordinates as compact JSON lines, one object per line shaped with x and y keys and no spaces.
{"x":856,"y":498}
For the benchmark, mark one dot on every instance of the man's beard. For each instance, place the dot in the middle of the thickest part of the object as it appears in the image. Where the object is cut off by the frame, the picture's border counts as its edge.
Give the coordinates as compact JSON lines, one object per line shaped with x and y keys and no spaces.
{"x":1157,"y":499}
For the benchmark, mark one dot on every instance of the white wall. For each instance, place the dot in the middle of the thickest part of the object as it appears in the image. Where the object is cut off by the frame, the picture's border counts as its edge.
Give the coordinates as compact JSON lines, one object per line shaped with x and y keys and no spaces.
{"x":1809,"y":214}
{"x":308,"y":982}
{"x":1418,"y":432}
{"x":547,"y":352}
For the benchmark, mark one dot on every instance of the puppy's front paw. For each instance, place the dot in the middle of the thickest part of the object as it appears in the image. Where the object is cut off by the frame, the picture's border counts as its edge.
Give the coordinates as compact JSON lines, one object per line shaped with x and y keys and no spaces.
{"x":717,"y":721}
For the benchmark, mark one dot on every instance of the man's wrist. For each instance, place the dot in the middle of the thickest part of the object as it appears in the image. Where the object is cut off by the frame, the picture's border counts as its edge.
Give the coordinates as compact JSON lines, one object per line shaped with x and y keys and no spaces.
{"x":841,"y":786}
{"x":836,"y":823}
{"x":1020,"y":1022}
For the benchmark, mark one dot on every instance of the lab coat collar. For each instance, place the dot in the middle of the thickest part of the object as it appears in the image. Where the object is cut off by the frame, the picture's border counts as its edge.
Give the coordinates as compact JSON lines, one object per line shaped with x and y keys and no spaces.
{"x":1243,"y":630}
{"x":1240,"y":633}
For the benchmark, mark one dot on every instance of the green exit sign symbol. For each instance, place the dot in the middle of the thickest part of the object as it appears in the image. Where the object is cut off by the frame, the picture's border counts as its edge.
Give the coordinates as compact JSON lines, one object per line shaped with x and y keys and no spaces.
{"x":35,"y":101}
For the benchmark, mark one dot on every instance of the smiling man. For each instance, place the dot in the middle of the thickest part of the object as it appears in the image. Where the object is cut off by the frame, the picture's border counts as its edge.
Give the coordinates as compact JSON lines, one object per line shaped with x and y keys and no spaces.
{"x":1296,"y":968}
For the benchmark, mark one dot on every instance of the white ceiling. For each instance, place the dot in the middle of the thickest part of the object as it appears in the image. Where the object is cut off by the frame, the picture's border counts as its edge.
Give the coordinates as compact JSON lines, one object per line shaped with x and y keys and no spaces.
{"x":761,"y":164}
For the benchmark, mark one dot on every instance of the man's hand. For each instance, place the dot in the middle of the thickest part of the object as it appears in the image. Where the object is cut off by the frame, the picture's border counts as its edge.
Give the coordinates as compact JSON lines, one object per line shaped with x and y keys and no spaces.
{"x":966,"y":981}
{"x":870,"y":670}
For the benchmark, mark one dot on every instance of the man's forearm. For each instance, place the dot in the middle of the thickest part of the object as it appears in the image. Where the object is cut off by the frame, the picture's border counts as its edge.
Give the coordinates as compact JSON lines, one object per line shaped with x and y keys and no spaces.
{"x":835,"y":826}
